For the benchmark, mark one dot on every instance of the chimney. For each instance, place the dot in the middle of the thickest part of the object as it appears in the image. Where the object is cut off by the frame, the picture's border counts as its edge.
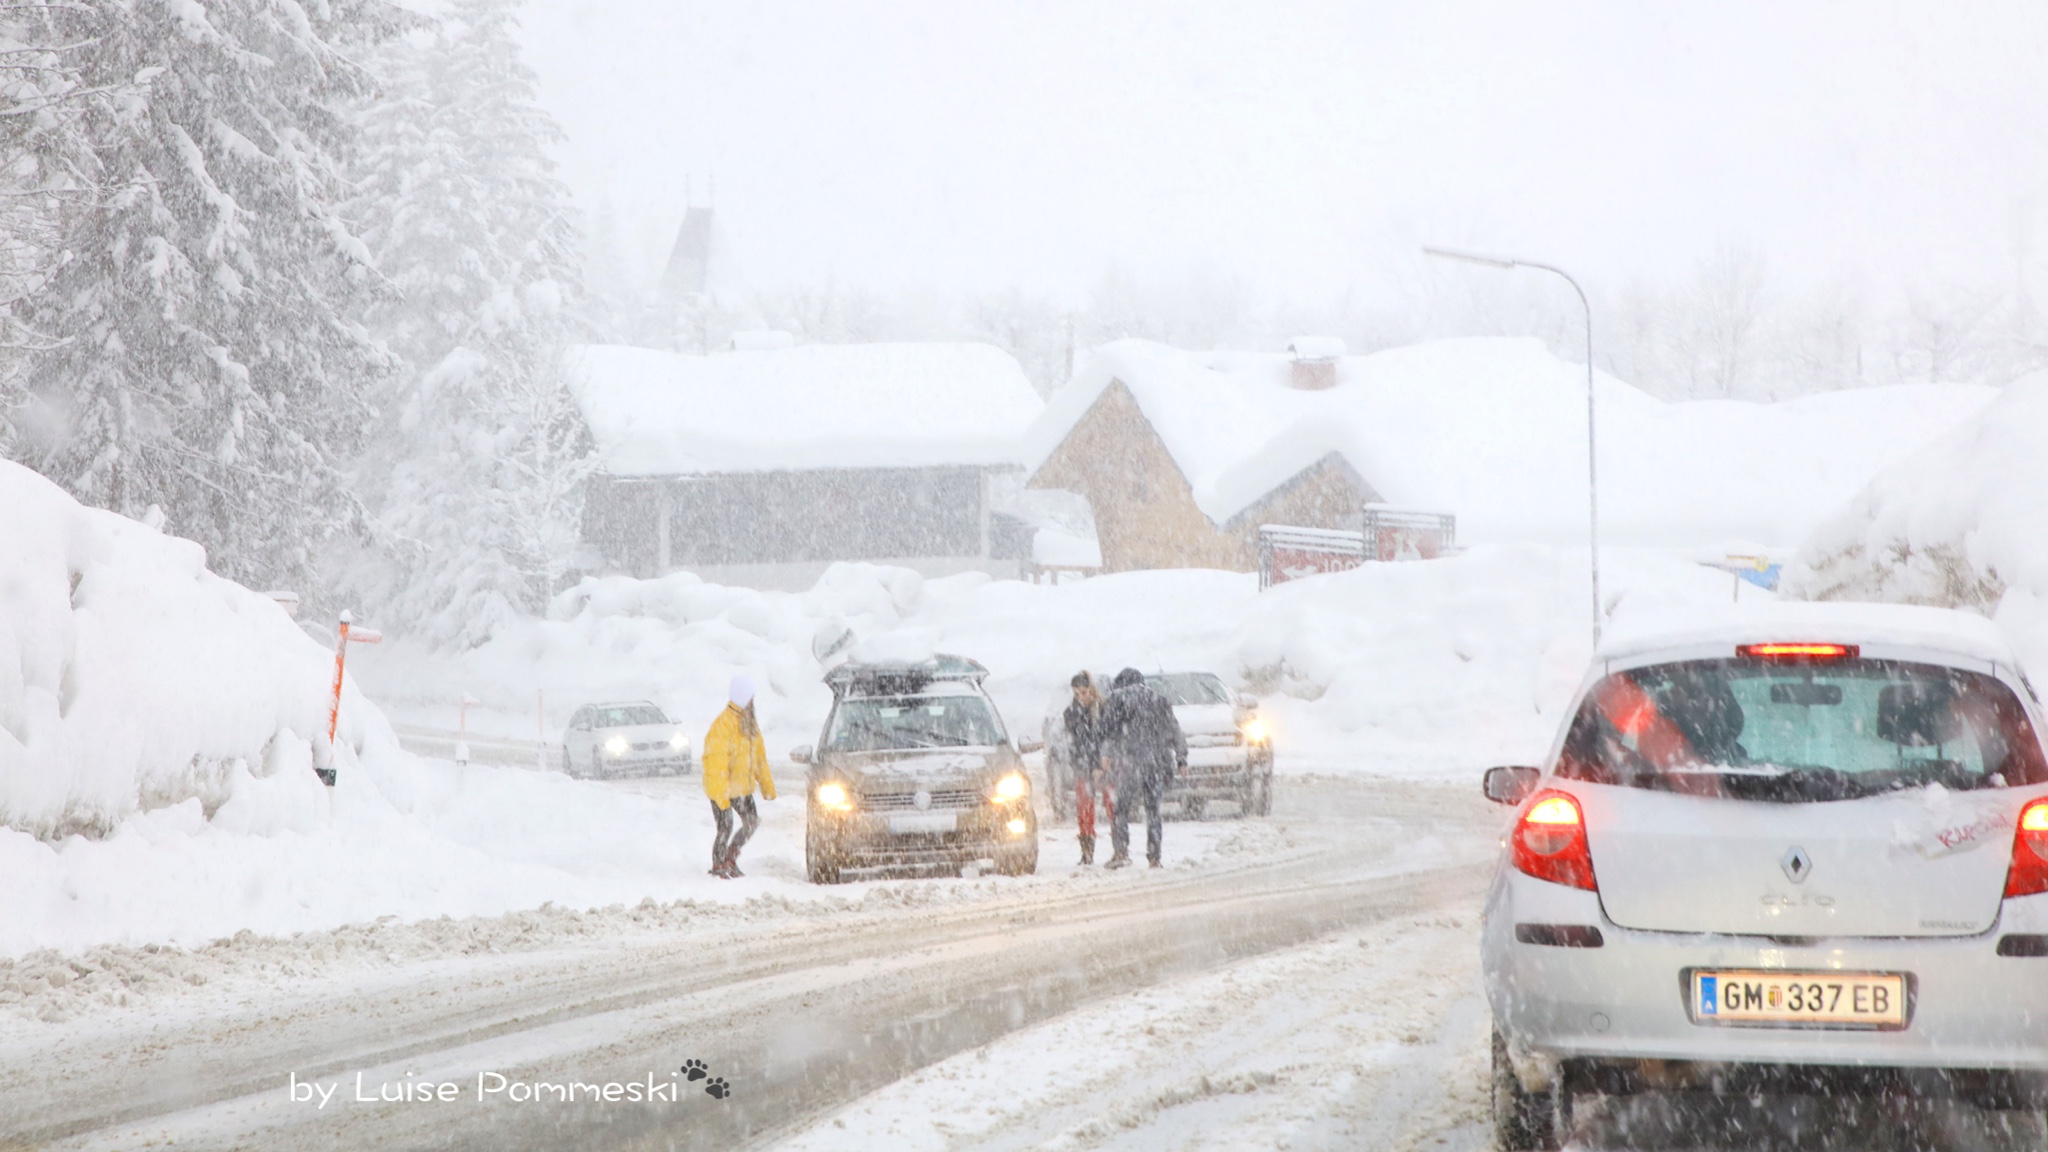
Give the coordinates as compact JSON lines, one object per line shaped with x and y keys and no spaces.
{"x":1314,"y":366}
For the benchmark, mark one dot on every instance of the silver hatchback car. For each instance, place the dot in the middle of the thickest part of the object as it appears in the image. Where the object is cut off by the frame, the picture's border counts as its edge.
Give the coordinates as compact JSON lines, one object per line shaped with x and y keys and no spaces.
{"x":1805,"y":850}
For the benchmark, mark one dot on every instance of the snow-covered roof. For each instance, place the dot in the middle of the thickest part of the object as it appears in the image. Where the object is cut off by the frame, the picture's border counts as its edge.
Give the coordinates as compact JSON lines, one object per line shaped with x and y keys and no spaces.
{"x":818,"y":406}
{"x":1494,"y":430}
{"x":1792,"y":621}
{"x":1316,"y":348}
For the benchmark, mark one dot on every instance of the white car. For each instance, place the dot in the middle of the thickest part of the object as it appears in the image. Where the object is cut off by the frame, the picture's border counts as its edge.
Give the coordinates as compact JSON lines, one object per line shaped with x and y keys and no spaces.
{"x":1807,"y":850}
{"x":622,"y":739}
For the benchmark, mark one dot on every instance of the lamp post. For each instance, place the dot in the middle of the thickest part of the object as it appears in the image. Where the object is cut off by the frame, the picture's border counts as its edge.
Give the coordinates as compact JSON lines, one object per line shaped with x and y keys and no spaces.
{"x":1592,"y":454}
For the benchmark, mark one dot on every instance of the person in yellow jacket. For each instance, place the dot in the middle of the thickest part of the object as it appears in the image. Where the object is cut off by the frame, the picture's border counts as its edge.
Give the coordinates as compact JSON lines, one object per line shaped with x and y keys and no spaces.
{"x":735,"y":760}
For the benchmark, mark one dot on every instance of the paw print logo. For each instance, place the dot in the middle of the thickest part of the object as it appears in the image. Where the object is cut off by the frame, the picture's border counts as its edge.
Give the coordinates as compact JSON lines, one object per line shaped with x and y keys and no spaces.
{"x":695,"y":1069}
{"x":717,"y":1089}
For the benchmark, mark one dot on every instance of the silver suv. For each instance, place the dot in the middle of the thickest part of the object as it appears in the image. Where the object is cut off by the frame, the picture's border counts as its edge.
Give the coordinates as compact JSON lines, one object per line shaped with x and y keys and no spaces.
{"x":914,"y":770}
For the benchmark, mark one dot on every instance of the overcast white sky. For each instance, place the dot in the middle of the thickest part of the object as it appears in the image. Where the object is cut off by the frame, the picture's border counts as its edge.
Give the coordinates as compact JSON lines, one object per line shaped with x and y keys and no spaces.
{"x":982,"y":144}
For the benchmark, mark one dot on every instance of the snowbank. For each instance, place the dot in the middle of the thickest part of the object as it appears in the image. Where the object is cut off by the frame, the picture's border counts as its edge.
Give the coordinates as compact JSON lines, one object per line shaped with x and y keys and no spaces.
{"x":1494,"y":430}
{"x":1424,"y":668}
{"x":1961,"y":523}
{"x":132,"y":678}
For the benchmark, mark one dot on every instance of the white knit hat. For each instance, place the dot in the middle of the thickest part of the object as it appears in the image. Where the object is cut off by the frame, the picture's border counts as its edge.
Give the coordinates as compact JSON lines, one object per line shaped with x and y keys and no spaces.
{"x":741,"y":693}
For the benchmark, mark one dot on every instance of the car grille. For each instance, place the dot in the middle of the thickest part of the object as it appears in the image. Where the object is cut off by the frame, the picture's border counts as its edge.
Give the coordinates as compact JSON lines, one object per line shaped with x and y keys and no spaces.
{"x":1215,"y":740}
{"x":652,"y":746}
{"x":907,"y":801}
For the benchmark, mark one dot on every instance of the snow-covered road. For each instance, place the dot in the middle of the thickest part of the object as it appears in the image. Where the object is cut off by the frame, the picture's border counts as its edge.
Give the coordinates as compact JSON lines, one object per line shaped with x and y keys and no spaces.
{"x":801,"y":1006}
{"x":1311,"y":984}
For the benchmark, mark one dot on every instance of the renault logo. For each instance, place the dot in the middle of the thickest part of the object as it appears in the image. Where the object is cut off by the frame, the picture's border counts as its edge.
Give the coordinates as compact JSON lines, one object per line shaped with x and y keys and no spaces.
{"x":923,"y":800}
{"x":1797,"y":865}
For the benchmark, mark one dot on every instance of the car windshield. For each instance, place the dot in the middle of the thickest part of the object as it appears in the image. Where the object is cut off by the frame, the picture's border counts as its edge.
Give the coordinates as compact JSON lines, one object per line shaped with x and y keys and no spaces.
{"x":1748,"y":730}
{"x":1189,"y":688}
{"x":889,"y":723}
{"x":628,"y":715}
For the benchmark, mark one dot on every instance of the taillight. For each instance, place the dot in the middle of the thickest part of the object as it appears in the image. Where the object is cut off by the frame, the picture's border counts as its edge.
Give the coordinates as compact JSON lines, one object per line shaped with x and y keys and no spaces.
{"x":1550,"y":841}
{"x":1802,"y":652}
{"x":2029,"y":872}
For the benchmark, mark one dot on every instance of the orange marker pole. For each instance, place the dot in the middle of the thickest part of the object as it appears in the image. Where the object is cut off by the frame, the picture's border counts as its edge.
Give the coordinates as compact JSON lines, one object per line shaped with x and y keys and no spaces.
{"x":340,"y":660}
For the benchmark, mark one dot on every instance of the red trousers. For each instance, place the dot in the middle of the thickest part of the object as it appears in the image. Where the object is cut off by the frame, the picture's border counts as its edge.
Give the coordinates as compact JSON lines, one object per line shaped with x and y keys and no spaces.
{"x":1084,"y":804}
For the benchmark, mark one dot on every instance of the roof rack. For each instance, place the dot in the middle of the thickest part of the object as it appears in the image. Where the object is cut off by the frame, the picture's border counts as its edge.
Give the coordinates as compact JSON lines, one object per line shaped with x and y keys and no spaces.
{"x":902,"y":677}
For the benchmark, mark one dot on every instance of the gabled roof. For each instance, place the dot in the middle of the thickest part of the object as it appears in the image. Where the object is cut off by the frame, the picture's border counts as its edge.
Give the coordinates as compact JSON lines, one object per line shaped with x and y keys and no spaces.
{"x":1494,"y":430}
{"x":818,"y":406}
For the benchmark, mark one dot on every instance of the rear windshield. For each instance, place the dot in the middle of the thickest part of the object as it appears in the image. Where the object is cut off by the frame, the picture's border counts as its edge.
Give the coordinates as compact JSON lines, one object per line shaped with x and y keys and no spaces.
{"x":1189,"y":688}
{"x":889,"y":723}
{"x":628,"y":715}
{"x":1748,"y":730}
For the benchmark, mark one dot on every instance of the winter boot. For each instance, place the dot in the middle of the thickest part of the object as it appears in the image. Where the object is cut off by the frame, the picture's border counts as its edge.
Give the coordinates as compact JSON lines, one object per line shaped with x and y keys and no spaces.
{"x":732,"y":866}
{"x":1120,"y":860}
{"x":1087,"y":850}
{"x":718,"y":864}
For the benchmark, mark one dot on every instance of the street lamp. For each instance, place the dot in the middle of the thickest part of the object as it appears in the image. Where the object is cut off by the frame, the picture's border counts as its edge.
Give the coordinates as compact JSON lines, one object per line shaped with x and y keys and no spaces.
{"x":1592,"y":456}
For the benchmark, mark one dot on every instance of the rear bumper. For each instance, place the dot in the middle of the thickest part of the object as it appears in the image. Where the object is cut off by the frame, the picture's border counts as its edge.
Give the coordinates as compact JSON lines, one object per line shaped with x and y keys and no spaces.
{"x":1624,"y":1001}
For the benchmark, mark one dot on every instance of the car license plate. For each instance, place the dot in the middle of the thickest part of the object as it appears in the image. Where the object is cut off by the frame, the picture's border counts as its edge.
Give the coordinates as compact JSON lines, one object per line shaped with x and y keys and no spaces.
{"x":924,"y":822}
{"x":1827,"y":999}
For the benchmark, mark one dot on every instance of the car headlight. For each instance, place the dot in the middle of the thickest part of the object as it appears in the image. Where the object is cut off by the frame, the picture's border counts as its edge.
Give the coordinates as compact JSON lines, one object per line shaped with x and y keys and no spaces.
{"x":617,"y":745}
{"x":678,"y":742}
{"x":1255,"y":730}
{"x":1012,"y":787}
{"x":832,"y":795}
{"x":1018,"y":827}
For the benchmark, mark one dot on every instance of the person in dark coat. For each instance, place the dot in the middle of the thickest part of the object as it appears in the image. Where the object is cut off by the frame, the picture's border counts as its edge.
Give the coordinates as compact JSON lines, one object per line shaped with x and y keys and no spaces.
{"x":1083,"y":720}
{"x":1142,"y":748}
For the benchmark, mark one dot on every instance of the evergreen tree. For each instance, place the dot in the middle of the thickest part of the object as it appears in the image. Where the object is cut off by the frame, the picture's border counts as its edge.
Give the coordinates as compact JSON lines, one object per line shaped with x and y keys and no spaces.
{"x":206,"y":360}
{"x":476,"y":483}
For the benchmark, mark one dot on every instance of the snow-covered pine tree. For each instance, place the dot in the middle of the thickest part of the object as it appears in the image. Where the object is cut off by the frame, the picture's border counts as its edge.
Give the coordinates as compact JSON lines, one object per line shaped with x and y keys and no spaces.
{"x":476,"y":481}
{"x":208,"y":360}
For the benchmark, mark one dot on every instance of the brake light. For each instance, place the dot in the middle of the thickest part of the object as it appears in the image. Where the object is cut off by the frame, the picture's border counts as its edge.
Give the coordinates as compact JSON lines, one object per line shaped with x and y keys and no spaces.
{"x":2029,"y":872}
{"x":1550,"y":842}
{"x":1797,"y":653}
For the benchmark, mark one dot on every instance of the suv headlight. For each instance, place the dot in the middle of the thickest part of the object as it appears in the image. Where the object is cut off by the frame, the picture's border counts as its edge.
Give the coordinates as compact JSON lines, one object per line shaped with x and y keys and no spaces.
{"x":1255,"y":730}
{"x":617,"y":745}
{"x":1012,"y":787}
{"x":833,"y":795}
{"x":678,"y":742}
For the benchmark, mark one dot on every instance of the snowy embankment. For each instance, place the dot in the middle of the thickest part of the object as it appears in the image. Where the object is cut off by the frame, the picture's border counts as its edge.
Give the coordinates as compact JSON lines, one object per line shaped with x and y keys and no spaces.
{"x":158,"y":730}
{"x":1402,"y":669}
{"x":1961,"y":523}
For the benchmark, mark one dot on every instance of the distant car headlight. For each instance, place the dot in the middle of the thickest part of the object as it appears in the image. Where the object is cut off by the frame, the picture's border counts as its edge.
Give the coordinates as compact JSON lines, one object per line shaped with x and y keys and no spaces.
{"x":832,"y":795}
{"x":617,"y":745}
{"x":1255,"y":730}
{"x":1017,"y":827}
{"x":678,"y":742}
{"x":1012,"y":787}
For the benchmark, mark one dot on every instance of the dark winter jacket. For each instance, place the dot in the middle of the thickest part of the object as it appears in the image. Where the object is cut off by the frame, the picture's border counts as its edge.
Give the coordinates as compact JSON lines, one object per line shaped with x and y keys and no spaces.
{"x":1140,"y":735}
{"x":1084,"y":739}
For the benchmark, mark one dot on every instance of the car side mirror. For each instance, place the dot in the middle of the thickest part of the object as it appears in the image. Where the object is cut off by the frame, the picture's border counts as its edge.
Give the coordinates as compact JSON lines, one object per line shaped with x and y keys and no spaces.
{"x":801,"y":754}
{"x":1248,"y":701}
{"x":1511,"y":785}
{"x":1027,"y":744}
